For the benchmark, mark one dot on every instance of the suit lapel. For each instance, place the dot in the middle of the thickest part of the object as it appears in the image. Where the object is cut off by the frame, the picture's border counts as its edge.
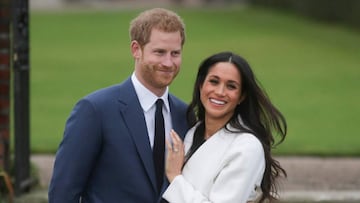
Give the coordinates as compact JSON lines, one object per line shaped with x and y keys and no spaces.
{"x":177,"y":118}
{"x":133,"y":116}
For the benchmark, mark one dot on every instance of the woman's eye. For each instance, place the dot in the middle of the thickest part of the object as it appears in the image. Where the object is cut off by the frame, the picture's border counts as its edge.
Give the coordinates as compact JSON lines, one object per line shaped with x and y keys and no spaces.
{"x":232,"y":87}
{"x":213,"y":81}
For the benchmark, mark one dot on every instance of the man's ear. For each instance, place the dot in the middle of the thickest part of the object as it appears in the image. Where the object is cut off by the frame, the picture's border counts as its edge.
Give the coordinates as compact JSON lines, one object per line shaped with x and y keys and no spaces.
{"x":135,"y":49}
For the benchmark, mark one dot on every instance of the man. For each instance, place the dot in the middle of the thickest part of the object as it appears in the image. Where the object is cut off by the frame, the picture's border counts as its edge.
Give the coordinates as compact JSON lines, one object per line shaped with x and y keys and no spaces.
{"x":106,"y":154}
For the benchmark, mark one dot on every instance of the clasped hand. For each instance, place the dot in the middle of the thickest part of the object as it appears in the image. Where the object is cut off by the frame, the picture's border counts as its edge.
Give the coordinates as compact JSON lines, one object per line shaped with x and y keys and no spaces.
{"x":175,"y":156}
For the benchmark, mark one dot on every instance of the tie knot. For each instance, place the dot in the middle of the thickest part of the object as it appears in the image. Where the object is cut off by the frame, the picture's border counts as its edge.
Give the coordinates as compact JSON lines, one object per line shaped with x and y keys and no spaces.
{"x":159,"y":103}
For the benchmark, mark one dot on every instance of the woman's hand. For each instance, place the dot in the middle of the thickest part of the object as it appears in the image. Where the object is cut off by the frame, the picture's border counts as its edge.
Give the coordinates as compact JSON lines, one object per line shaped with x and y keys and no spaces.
{"x":175,"y":156}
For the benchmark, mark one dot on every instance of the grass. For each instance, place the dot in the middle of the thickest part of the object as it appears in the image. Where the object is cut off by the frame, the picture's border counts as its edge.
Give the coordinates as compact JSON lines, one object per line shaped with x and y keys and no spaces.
{"x":310,"y":70}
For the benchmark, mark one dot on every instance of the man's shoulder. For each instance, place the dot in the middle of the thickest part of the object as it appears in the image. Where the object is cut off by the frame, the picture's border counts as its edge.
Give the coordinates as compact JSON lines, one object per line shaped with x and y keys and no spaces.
{"x":112,"y":89}
{"x":176,"y":101}
{"x":112,"y":92}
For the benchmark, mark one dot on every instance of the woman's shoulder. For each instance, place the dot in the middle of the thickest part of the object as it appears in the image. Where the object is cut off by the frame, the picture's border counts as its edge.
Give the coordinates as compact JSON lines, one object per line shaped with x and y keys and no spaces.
{"x":244,"y":141}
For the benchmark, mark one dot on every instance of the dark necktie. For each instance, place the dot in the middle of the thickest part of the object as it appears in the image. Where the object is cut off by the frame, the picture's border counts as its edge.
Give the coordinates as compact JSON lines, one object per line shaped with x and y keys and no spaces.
{"x":159,"y":144}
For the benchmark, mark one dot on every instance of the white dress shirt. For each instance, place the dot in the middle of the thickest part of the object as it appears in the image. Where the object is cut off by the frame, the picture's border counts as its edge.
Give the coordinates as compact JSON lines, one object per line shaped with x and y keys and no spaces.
{"x":147,"y":101}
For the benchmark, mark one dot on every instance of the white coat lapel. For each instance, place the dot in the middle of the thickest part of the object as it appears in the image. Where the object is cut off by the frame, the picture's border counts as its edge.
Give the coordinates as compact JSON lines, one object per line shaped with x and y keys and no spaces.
{"x":207,"y":161}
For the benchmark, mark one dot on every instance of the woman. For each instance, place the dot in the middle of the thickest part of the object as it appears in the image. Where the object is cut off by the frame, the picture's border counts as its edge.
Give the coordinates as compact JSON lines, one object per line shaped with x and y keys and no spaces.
{"x":228,"y":149}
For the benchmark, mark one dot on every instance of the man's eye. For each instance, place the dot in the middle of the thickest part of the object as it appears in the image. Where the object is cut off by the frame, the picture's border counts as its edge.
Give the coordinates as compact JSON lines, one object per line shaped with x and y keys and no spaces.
{"x":175,"y":53}
{"x":159,"y":52}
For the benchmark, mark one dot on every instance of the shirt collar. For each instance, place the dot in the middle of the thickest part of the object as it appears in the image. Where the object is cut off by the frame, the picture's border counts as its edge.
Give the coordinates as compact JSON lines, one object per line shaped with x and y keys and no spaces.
{"x":146,"y":98}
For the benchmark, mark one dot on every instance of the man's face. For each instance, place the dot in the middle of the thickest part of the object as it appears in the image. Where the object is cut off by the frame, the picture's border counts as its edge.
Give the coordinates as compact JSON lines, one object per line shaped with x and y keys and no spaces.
{"x":158,"y":62}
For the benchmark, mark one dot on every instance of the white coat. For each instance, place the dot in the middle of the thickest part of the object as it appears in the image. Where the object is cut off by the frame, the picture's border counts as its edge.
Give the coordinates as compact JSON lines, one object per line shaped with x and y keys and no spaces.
{"x":227,"y":168}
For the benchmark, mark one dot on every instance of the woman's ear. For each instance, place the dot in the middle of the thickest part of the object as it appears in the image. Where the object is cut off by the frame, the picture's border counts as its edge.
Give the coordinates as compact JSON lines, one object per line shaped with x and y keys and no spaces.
{"x":243,"y":96}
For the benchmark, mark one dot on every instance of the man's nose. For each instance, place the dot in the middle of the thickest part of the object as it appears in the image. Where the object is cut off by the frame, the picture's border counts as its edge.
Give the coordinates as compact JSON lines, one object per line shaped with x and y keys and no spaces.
{"x":167,"y":61}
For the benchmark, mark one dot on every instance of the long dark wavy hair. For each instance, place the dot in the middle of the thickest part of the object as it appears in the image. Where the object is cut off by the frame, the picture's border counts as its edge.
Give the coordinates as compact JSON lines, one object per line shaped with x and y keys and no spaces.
{"x":260,"y":117}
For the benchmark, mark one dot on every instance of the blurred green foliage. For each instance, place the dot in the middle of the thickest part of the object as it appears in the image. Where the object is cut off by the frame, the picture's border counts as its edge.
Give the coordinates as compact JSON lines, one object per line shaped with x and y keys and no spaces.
{"x":310,"y":70}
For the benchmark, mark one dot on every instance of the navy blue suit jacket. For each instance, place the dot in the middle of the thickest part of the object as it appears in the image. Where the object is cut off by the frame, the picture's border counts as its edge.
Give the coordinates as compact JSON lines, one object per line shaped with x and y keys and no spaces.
{"x":105,"y":155}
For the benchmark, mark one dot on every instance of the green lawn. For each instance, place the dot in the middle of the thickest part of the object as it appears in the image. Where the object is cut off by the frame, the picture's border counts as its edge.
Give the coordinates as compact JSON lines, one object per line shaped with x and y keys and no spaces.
{"x":310,"y":70}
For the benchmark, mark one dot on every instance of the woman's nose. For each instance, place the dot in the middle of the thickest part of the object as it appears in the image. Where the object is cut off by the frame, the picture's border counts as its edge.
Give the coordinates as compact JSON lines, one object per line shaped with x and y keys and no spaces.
{"x":220,"y":89}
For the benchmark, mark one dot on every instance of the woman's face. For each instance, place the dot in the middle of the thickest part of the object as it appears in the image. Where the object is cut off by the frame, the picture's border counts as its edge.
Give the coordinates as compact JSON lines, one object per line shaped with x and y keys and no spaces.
{"x":221,"y":91}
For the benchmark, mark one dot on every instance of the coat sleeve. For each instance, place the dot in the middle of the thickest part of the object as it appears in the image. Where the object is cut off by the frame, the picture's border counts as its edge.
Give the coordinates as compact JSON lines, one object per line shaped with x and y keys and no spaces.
{"x":236,"y":182}
{"x":76,"y":154}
